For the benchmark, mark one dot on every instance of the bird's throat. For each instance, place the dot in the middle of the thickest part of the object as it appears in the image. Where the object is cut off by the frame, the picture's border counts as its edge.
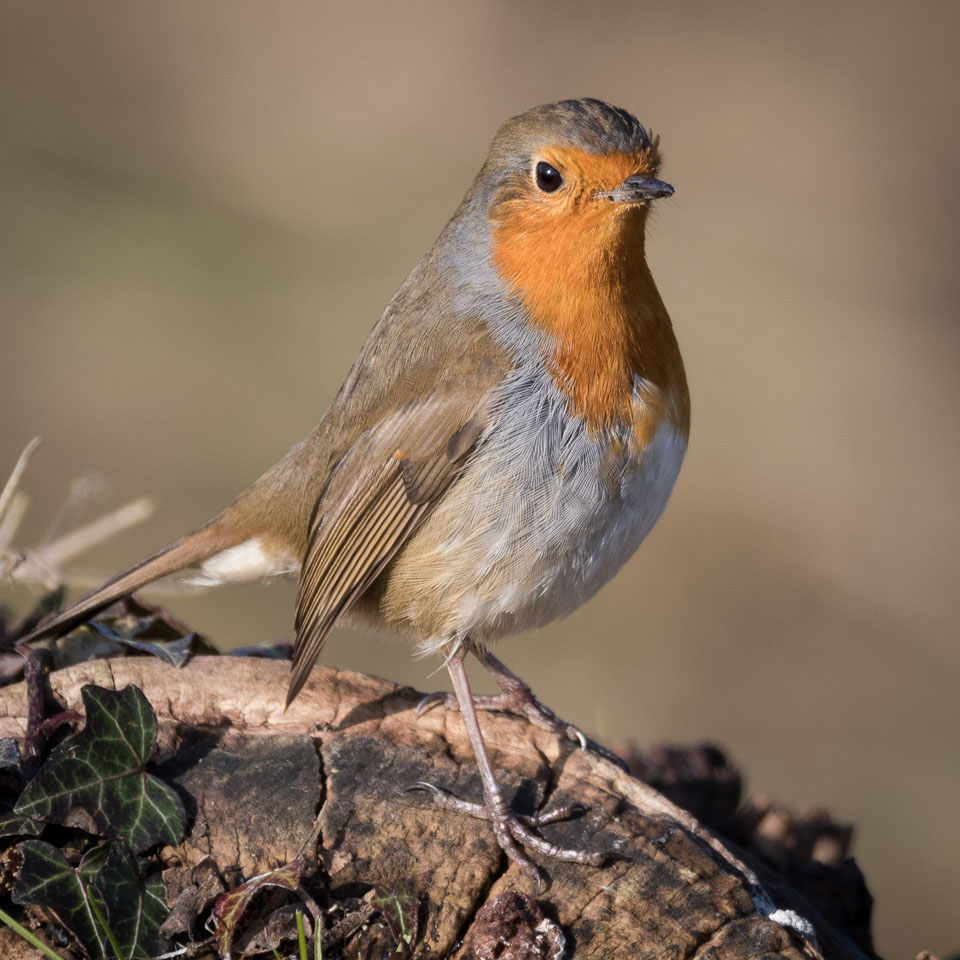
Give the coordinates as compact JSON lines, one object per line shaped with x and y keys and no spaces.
{"x":583,"y":280}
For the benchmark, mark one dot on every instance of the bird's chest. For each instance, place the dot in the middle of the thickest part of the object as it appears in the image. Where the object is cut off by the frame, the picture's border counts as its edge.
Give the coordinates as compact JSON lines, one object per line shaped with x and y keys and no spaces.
{"x":545,"y":514}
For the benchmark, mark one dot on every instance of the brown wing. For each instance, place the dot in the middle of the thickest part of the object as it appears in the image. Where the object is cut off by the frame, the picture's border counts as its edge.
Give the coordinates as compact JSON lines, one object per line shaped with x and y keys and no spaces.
{"x":376,"y":498}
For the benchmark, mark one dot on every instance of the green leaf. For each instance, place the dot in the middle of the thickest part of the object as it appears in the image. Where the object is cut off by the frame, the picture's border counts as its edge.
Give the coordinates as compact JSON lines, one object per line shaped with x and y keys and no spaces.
{"x":93,"y":860}
{"x":110,"y":911}
{"x":45,"y":878}
{"x":134,"y":908}
{"x":97,"y":778}
{"x":14,"y":825}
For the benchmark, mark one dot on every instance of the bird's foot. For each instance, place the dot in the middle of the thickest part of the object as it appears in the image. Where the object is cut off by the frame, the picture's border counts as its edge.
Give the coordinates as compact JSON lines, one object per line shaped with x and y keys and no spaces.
{"x":513,"y":830}
{"x":519,"y":700}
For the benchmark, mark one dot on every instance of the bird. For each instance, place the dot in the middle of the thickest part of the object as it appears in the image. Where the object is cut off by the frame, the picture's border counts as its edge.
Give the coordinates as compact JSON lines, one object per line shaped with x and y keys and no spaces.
{"x":509,"y":433}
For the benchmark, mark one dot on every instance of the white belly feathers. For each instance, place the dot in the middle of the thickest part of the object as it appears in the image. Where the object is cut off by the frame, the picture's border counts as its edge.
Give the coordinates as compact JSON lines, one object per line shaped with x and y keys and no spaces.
{"x":571,"y":511}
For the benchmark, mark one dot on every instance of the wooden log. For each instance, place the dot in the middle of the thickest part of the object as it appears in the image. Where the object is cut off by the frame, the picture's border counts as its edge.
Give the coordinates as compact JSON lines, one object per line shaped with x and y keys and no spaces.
{"x":256,"y":779}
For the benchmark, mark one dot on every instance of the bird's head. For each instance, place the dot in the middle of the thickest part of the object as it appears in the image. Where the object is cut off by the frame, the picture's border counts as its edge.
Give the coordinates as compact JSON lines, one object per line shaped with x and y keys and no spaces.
{"x":569,"y":182}
{"x":565,"y":190}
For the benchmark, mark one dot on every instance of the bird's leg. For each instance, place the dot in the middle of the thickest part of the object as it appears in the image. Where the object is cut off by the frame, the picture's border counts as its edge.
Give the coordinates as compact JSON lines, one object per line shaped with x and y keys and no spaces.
{"x":509,"y":829}
{"x":516,"y":697}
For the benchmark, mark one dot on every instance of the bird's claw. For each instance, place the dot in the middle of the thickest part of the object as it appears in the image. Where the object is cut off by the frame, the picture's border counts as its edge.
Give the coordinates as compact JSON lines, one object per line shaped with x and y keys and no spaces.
{"x":513,"y":830}
{"x":422,"y":785}
{"x":431,"y":700}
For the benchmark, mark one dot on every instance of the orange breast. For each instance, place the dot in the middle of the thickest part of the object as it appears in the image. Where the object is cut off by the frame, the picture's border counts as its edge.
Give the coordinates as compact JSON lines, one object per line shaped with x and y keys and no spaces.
{"x":578,"y":266}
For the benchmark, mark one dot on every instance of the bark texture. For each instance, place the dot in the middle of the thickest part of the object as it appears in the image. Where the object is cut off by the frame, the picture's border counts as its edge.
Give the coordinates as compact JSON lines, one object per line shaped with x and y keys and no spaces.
{"x":256,"y":779}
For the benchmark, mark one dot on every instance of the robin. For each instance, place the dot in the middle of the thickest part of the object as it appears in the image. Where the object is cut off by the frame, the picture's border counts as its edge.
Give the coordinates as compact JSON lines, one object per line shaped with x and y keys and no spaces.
{"x":508,"y":435}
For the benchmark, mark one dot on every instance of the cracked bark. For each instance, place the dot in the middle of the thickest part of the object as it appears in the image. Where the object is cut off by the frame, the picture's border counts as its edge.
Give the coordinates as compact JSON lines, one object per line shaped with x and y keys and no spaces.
{"x":255,"y":778}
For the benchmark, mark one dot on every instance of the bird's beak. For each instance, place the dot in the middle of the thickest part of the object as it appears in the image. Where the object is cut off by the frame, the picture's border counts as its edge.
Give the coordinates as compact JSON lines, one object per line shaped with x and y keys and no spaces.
{"x":637,"y":189}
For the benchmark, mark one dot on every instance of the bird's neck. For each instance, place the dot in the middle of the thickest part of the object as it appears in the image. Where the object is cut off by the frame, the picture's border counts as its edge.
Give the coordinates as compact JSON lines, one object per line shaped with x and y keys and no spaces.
{"x":586,"y":285}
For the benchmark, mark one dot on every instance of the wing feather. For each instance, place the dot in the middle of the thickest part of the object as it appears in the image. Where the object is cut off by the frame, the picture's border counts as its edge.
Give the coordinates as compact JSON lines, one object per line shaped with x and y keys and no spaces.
{"x":378,"y":496}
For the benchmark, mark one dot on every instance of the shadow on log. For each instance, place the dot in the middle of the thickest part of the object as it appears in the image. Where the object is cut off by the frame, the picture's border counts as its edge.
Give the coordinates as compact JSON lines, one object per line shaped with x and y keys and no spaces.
{"x":256,"y":780}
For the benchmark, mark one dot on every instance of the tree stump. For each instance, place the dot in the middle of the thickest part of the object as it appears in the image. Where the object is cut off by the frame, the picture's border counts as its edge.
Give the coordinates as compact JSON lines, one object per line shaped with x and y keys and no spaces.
{"x":256,"y":780}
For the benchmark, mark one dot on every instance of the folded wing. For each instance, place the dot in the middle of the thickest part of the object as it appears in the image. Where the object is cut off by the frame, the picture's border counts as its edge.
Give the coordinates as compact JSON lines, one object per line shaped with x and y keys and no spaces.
{"x":376,"y":498}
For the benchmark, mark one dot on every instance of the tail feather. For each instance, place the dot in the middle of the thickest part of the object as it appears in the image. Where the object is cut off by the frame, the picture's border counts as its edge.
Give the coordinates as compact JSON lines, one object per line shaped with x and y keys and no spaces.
{"x":185,"y":552}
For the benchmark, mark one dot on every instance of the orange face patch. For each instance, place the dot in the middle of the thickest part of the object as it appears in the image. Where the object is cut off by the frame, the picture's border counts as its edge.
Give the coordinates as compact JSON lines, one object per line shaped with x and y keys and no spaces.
{"x":577,"y":263}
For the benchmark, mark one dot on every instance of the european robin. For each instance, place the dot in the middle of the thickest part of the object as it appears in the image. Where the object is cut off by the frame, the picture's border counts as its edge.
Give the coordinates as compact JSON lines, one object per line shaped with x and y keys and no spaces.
{"x":509,"y":434}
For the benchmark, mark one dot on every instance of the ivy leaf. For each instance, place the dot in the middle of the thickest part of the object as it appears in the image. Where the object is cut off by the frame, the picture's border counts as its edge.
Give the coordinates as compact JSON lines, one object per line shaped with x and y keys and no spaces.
{"x":231,"y":905}
{"x":134,"y":908}
{"x":107,"y":882}
{"x":14,"y":825}
{"x":97,"y":779}
{"x":45,"y":878}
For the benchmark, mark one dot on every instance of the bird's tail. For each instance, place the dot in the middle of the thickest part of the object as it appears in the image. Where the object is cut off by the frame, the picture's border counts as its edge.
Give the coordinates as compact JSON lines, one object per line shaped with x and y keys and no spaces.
{"x":192,"y":549}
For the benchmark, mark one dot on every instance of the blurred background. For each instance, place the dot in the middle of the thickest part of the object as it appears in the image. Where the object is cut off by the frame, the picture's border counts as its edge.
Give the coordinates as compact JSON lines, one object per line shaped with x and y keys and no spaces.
{"x":205,"y":207}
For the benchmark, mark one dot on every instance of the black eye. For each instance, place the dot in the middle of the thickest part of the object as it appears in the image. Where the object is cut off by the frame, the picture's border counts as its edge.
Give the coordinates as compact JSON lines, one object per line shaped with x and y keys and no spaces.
{"x":548,"y":177}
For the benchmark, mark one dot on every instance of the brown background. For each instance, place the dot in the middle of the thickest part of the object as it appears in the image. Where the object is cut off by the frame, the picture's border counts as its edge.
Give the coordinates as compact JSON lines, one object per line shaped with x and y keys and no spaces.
{"x":206,"y":206}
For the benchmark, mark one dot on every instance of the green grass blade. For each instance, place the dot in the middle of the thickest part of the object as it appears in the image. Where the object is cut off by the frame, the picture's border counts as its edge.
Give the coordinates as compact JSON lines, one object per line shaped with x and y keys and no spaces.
{"x":28,"y":936}
{"x":102,"y":920}
{"x":302,"y":936}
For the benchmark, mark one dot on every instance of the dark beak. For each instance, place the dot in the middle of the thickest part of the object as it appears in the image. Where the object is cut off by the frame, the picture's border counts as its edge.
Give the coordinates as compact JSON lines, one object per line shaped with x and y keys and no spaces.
{"x":638,"y":190}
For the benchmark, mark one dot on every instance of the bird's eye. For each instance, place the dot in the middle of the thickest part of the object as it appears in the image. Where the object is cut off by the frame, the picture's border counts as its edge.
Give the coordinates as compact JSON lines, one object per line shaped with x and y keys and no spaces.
{"x":548,"y":177}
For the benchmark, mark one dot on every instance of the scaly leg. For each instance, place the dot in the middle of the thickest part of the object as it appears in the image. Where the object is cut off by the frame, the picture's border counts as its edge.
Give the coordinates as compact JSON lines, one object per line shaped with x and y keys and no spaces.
{"x":516,"y":697}
{"x":509,"y":829}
